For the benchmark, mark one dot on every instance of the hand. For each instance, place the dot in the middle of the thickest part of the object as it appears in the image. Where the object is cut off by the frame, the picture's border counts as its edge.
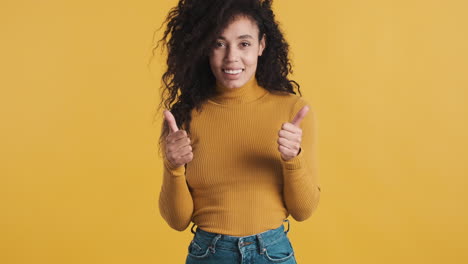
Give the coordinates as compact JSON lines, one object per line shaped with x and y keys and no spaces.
{"x":290,"y":136}
{"x":178,"y":145}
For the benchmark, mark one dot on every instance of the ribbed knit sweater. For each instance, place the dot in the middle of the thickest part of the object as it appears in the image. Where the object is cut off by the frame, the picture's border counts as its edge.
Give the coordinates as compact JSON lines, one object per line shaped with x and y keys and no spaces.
{"x":237,"y":182}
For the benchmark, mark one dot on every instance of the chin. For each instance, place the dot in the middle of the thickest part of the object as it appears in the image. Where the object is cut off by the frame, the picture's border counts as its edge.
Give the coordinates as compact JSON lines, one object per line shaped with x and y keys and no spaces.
{"x":234,"y":84}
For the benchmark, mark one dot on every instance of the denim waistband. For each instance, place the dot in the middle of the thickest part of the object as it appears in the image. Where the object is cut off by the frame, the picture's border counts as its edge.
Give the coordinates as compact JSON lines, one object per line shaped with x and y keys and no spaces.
{"x":214,"y":240}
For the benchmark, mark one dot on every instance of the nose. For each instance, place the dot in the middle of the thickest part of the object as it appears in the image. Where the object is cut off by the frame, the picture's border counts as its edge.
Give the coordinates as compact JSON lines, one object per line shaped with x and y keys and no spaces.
{"x":232,"y":55}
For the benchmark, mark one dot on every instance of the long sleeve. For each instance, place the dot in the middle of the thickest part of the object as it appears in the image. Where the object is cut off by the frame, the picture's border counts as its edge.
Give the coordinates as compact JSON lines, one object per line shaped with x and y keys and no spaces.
{"x":301,"y":184}
{"x":237,"y":183}
{"x":175,"y":199}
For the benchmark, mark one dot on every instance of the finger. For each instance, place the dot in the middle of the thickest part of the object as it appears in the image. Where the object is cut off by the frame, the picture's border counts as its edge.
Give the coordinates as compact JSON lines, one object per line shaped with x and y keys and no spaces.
{"x":300,"y":115}
{"x":173,"y":137}
{"x":185,"y":150}
{"x":286,"y":151}
{"x":291,"y":128}
{"x":294,"y":136}
{"x":180,"y":142}
{"x":187,"y":158}
{"x":288,"y":144}
{"x":170,"y":121}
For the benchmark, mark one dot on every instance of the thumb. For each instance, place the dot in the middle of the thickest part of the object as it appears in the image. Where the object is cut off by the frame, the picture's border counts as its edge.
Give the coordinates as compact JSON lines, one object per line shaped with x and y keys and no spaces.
{"x":300,"y":115}
{"x":170,"y":121}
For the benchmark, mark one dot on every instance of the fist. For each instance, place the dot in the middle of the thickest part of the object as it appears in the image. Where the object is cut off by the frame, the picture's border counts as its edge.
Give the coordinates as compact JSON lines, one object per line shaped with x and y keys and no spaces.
{"x":178,"y":150}
{"x":290,"y":136}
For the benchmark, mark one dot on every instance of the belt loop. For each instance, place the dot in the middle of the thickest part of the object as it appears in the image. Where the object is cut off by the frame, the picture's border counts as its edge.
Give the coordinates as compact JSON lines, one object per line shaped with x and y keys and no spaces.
{"x":212,"y":246}
{"x":286,"y":220}
{"x":191,"y":229}
{"x":261,"y":245}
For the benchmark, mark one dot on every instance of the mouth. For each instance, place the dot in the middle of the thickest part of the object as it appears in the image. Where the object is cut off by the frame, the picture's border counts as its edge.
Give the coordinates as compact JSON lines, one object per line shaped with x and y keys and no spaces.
{"x":233,"y":71}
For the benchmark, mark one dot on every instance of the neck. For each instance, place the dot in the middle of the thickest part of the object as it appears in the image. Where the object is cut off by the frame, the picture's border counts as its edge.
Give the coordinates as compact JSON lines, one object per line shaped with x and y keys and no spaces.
{"x":249,"y":92}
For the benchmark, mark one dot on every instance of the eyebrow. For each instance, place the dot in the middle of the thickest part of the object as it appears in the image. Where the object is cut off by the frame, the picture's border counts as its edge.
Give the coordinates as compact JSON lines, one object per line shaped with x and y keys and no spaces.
{"x":240,"y":37}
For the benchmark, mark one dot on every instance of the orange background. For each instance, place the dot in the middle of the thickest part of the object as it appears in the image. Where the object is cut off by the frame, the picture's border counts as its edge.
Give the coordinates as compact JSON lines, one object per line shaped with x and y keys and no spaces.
{"x":79,"y":169}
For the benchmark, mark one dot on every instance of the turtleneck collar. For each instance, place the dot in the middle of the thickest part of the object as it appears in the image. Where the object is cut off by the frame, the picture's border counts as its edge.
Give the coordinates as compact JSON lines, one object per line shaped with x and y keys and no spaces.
{"x":247,"y":93}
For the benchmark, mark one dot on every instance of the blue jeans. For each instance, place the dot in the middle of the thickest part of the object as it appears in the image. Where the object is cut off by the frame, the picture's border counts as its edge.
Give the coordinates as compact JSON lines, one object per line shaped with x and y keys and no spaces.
{"x":272,"y":246}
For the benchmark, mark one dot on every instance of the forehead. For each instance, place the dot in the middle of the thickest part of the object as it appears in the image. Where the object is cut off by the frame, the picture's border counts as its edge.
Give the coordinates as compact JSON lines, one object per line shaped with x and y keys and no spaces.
{"x":240,"y":27}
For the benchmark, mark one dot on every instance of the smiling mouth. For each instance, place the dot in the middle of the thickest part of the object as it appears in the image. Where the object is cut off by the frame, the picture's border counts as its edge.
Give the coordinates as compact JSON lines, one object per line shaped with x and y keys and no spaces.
{"x":233,"y":71}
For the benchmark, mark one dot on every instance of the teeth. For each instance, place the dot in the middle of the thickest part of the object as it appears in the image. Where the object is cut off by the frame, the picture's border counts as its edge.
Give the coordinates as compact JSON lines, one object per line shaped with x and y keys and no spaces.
{"x":233,"y":71}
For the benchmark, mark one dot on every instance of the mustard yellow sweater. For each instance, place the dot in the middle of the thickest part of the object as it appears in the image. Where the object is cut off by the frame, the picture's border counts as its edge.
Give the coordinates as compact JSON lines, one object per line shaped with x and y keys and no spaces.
{"x":237,"y":183}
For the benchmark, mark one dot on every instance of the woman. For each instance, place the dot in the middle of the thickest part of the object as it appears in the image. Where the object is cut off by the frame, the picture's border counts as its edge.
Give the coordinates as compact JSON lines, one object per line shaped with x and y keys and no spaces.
{"x":243,"y":159}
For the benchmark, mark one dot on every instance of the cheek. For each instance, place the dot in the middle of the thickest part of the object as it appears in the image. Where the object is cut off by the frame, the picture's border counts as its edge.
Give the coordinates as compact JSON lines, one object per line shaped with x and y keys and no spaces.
{"x":251,"y":59}
{"x":216,"y":59}
{"x":214,"y":65}
{"x":212,"y":61}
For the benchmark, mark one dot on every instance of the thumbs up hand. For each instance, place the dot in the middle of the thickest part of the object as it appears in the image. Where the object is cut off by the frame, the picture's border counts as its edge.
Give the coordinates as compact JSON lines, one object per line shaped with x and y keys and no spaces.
{"x":178,"y":148}
{"x":290,"y":136}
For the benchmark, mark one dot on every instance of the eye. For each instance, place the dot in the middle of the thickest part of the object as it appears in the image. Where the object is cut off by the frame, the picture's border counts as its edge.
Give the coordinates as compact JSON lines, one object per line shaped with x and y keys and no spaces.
{"x":245,"y":44}
{"x":219,"y":44}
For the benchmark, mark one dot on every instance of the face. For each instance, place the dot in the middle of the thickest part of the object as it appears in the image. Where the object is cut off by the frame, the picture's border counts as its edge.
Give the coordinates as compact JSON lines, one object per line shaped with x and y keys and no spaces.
{"x":234,"y":56}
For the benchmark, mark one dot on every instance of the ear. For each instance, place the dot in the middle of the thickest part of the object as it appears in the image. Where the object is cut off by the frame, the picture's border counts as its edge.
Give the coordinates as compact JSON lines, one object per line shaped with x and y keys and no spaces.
{"x":262,"y":45}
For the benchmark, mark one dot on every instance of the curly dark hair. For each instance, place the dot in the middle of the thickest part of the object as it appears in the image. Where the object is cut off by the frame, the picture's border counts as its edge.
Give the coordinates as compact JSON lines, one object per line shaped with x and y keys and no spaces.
{"x":192,"y":28}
